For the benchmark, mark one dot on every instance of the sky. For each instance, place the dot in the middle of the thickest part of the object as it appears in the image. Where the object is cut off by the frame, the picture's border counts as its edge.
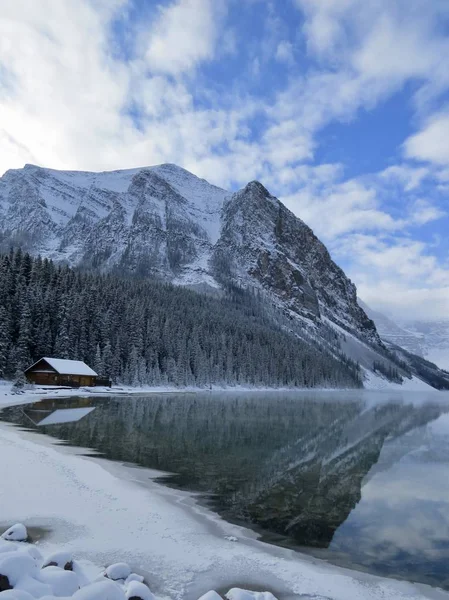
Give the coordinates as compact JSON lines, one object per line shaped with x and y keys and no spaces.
{"x":339,"y":107}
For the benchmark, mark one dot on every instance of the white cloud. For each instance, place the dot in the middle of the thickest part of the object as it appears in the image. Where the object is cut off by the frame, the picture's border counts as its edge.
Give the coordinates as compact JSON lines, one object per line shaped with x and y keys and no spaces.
{"x":340,"y":209}
{"x":184,"y":35}
{"x":397,"y":275}
{"x":69,"y":101}
{"x":381,"y":44}
{"x":431,"y":144}
{"x":409,"y":177}
{"x":424,"y":212}
{"x":65,"y":88}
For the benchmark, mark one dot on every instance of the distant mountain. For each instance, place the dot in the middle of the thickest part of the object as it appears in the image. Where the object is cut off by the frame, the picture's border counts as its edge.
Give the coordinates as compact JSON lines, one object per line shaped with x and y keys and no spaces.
{"x":429,"y":339}
{"x":434,"y":337}
{"x":163,"y":222}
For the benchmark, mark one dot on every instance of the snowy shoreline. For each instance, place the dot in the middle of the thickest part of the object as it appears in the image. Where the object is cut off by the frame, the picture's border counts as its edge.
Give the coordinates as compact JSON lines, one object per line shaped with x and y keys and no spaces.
{"x":35,"y":393}
{"x":103,"y":512}
{"x":30,"y":394}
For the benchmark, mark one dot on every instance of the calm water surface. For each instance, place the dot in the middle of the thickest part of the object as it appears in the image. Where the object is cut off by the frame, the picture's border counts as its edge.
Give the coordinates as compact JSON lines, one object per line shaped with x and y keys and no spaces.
{"x":358,"y":478}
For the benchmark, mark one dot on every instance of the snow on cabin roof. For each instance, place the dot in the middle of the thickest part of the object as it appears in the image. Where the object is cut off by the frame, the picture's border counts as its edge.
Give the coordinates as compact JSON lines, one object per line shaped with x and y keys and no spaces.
{"x":68,"y":367}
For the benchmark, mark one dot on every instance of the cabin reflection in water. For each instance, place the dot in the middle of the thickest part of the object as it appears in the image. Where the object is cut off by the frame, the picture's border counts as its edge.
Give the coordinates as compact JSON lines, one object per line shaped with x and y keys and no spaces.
{"x":54,"y":412}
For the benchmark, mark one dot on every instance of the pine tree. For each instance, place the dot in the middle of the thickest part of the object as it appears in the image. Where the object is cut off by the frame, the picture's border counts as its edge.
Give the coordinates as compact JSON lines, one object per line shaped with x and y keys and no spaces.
{"x":22,"y":355}
{"x":144,"y":332}
{"x":5,"y":340}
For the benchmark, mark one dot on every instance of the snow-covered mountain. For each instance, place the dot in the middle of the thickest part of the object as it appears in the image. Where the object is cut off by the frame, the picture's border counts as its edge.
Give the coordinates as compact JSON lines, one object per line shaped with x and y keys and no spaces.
{"x":434,"y":338}
{"x":429,"y":339}
{"x":167,"y":223}
{"x":163,"y":221}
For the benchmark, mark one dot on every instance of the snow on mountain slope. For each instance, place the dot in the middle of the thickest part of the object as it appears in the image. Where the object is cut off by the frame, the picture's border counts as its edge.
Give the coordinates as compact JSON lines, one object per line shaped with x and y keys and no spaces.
{"x":163,"y":221}
{"x":155,"y":220}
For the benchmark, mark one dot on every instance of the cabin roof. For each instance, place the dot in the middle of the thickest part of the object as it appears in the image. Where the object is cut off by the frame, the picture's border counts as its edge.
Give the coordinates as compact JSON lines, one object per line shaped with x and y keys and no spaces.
{"x":67,"y":367}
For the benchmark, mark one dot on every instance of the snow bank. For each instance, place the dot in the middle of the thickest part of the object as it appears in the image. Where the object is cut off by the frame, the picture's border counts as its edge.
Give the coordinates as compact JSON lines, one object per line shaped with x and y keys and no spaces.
{"x":26,"y":575}
{"x":34,"y":393}
{"x":98,"y":513}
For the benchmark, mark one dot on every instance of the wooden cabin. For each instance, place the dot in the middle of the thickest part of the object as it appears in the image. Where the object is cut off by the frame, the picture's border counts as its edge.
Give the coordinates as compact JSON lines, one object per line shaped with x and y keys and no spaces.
{"x":58,"y":371}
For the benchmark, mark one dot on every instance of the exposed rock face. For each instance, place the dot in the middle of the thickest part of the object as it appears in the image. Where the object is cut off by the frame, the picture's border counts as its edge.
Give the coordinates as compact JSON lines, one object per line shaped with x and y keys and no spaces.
{"x":266,"y":245}
{"x":165,"y":222}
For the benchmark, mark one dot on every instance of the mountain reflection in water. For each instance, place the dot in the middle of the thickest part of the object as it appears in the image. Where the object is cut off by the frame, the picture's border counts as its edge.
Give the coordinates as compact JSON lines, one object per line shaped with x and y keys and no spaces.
{"x":339,"y":474}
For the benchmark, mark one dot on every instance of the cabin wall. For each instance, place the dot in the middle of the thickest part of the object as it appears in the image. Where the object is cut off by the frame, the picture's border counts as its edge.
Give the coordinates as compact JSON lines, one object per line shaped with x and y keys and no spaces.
{"x":42,"y":378}
{"x":46,"y":378}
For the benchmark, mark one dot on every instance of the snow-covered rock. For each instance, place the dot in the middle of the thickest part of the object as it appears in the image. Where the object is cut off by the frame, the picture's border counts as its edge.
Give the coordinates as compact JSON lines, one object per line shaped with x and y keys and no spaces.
{"x":16,"y":565}
{"x":239,"y":594}
{"x":63,"y":560}
{"x":134,"y":577}
{"x":26,"y":575}
{"x":118,"y":571}
{"x":63,"y":583}
{"x":33,"y":586}
{"x":138,"y":591}
{"x":16,"y":533}
{"x":5,"y":547}
{"x":101,"y":590}
{"x":35,"y":554}
{"x":212,"y":595}
{"x":16,"y":595}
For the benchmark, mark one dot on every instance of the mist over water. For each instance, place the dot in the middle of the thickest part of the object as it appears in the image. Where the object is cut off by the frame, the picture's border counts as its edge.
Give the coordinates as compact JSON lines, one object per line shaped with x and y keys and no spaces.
{"x":358,"y":478}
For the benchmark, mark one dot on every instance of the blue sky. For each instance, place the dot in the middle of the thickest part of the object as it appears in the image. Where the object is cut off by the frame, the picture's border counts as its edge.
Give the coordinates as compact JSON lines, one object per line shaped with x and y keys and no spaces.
{"x":340,"y":107}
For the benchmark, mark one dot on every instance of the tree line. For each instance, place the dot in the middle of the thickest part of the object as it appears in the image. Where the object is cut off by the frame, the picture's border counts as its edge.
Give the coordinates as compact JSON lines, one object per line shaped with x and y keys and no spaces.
{"x":142,"y":332}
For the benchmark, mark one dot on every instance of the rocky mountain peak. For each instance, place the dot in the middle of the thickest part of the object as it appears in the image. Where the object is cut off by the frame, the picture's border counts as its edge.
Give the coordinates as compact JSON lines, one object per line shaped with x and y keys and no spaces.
{"x":256,"y":188}
{"x":165,"y":222}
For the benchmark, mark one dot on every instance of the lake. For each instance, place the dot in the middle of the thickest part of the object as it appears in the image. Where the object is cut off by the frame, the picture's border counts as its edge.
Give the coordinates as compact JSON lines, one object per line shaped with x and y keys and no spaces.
{"x":358,"y":478}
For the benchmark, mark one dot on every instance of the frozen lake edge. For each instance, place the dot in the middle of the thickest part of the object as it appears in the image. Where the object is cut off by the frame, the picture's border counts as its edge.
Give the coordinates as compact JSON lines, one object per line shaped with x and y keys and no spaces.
{"x":163,"y":532}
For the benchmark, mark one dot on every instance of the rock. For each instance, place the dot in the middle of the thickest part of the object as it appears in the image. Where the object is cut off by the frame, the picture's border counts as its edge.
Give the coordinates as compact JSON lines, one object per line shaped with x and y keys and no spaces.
{"x":106,"y":590}
{"x":63,"y":583}
{"x":138,"y":591}
{"x":118,"y":571}
{"x":16,"y":533}
{"x":63,"y":560}
{"x":4,"y":583}
{"x":231,"y":538}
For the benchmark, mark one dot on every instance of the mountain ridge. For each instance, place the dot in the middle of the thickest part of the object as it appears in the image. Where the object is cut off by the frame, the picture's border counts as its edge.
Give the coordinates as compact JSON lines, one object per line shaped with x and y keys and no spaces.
{"x":164,"y":222}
